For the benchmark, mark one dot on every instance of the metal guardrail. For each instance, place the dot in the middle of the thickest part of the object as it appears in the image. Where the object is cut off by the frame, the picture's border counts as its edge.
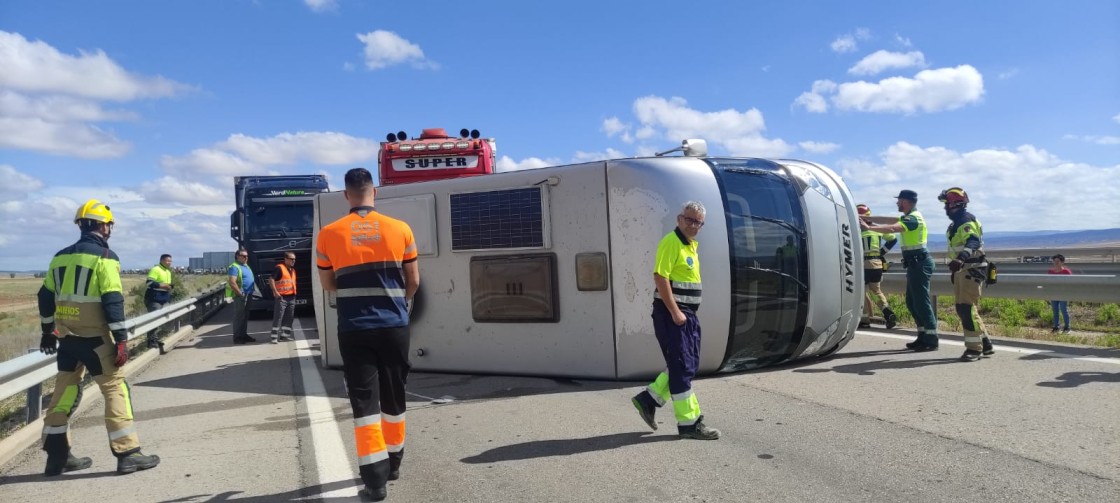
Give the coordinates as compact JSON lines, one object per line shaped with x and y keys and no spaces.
{"x":1076,"y":287}
{"x":27,"y":373}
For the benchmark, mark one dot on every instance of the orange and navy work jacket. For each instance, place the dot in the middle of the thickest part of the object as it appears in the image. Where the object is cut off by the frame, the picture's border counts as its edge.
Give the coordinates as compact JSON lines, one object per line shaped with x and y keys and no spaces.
{"x":285,"y":280}
{"x":367,"y":250}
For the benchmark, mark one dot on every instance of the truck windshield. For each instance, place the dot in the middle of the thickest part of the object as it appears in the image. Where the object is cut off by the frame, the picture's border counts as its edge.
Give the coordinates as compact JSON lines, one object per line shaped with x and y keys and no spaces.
{"x":280,"y":220}
{"x":769,"y":264}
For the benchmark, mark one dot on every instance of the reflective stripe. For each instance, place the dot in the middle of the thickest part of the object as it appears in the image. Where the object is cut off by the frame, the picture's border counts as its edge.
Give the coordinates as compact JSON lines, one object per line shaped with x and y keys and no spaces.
{"x":389,"y":418}
{"x":53,"y":430}
{"x":687,"y":299}
{"x":322,"y":256}
{"x":373,"y":458}
{"x":119,"y":325}
{"x":410,"y":249}
{"x":82,"y":284}
{"x":653,"y":393}
{"x":49,"y":319}
{"x":72,"y":297}
{"x":367,"y":420}
{"x":344,"y":293}
{"x":687,"y":422}
{"x":914,"y":247}
{"x":682,"y":396}
{"x":684,"y":284}
{"x":395,"y":448}
{"x":119,"y":434}
{"x":973,"y":338}
{"x":368,"y":266}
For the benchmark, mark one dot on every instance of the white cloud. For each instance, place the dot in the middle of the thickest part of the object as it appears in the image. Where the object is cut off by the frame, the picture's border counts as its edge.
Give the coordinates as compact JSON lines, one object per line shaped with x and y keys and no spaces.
{"x":902,"y":41}
{"x":817,"y":147}
{"x":37,"y":67}
{"x":881,"y":60}
{"x":929,"y":91}
{"x":1033,"y":172}
{"x":848,"y":43}
{"x":739,"y":133}
{"x":321,"y":5}
{"x":1099,"y":140}
{"x":288,"y":148}
{"x":610,"y":153}
{"x":1116,"y":118}
{"x":1007,"y":74}
{"x":814,"y":100}
{"x":385,"y":48}
{"x":17,"y":184}
{"x":210,"y":164}
{"x":613,"y":126}
{"x":172,"y":190}
{"x":505,"y":163}
{"x":60,"y":138}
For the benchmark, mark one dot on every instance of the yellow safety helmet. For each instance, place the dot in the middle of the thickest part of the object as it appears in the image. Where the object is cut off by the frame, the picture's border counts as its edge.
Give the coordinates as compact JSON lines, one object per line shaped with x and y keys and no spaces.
{"x":94,"y":210}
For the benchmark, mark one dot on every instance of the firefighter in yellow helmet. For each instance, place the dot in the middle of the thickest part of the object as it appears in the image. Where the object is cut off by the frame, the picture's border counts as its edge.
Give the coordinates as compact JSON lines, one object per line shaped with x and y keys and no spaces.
{"x":969,"y":271}
{"x":82,"y":296}
{"x":875,"y":246}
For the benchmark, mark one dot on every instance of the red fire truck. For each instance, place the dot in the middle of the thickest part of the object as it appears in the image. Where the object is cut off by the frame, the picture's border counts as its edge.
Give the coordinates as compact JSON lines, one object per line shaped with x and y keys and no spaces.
{"x":434,"y":156}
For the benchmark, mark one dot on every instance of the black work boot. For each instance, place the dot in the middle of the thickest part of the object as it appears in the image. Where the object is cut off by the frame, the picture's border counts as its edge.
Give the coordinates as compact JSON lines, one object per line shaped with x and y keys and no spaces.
{"x":373,"y":494}
{"x":890,"y":317}
{"x":989,"y":350}
{"x":970,"y":355}
{"x":136,"y":461}
{"x":71,"y":464}
{"x":698,"y":431}
{"x":645,"y":410}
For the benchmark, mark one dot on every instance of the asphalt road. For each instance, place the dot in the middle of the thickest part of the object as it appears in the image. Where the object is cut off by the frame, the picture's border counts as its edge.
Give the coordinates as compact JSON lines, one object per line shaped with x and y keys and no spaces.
{"x":264,"y":423}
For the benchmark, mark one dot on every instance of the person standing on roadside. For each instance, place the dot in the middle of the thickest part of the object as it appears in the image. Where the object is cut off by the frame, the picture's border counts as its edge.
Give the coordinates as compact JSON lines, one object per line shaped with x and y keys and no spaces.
{"x":82,"y":295}
{"x":918,"y":263}
{"x":158,"y":293}
{"x":968,"y":268}
{"x":875,"y":247}
{"x":370,"y":261}
{"x":1060,"y":307}
{"x":283,"y":284}
{"x":238,"y":288}
{"x":676,"y":277}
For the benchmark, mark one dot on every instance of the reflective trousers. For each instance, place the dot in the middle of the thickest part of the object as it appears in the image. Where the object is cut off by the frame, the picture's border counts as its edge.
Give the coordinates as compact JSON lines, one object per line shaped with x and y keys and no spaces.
{"x":680,"y":346}
{"x":919,"y":272}
{"x":375,"y":366}
{"x":967,"y":285}
{"x":76,"y":355}
{"x":282,"y":313}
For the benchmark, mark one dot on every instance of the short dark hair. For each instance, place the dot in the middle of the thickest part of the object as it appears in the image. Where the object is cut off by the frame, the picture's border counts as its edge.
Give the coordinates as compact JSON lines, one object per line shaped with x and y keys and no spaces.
{"x":165,"y":255}
{"x":1059,"y":257}
{"x":358,"y":180}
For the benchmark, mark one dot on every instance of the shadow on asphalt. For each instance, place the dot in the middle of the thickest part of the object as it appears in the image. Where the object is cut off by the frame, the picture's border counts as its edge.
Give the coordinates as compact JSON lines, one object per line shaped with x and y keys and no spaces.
{"x":1075,"y":379}
{"x":39,"y":477}
{"x":311,"y":493}
{"x":869,"y":368}
{"x":565,"y":447}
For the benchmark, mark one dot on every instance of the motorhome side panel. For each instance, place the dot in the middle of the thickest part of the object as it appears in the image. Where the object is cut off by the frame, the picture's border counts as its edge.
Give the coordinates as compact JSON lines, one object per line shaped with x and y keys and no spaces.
{"x":645,"y":197}
{"x":573,"y":219}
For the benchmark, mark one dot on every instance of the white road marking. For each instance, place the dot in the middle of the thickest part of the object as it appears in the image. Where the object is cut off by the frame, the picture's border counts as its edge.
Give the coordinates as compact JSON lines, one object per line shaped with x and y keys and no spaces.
{"x":332,"y":460}
{"x":1000,"y":348}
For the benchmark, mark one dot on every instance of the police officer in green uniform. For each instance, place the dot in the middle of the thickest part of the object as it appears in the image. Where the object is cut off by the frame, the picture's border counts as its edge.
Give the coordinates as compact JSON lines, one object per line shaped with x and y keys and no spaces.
{"x":676,"y":276}
{"x":82,"y":294}
{"x":918,"y":263}
{"x":969,"y":269}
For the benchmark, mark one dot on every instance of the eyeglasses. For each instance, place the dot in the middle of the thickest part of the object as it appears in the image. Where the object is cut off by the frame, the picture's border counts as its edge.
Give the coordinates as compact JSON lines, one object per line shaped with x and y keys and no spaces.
{"x":692,"y":221}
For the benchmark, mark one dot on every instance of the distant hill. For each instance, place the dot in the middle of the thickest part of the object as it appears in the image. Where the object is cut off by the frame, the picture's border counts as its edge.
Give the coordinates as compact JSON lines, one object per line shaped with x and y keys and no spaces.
{"x":1042,"y":239}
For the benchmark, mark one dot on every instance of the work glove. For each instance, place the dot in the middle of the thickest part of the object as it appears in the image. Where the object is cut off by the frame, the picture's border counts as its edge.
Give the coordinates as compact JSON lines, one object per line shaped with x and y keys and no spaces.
{"x":48,"y":344}
{"x":956,"y":265}
{"x":122,"y":354}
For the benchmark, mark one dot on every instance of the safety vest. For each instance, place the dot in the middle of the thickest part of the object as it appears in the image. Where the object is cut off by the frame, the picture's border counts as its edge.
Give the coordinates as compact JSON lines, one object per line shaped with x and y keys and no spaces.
{"x":873,"y":242}
{"x":677,"y":260}
{"x":958,"y":239}
{"x":913,"y":240}
{"x":240,"y":280}
{"x":286,"y":285}
{"x":158,"y":275}
{"x":78,"y":277}
{"x":367,"y":251}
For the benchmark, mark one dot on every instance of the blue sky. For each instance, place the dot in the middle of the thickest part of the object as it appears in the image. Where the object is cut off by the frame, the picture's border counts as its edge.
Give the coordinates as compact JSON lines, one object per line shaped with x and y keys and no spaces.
{"x":154,"y":106}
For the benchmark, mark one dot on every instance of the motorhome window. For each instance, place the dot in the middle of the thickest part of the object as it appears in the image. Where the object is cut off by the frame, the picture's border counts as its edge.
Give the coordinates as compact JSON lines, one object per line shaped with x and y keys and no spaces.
{"x":514,"y":288}
{"x":511,"y":218}
{"x":769,"y":264}
{"x":280,"y":220}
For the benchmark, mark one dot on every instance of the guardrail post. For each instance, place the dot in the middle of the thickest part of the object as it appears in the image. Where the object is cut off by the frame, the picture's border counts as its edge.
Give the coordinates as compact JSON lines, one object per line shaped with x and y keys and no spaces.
{"x":34,"y":402}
